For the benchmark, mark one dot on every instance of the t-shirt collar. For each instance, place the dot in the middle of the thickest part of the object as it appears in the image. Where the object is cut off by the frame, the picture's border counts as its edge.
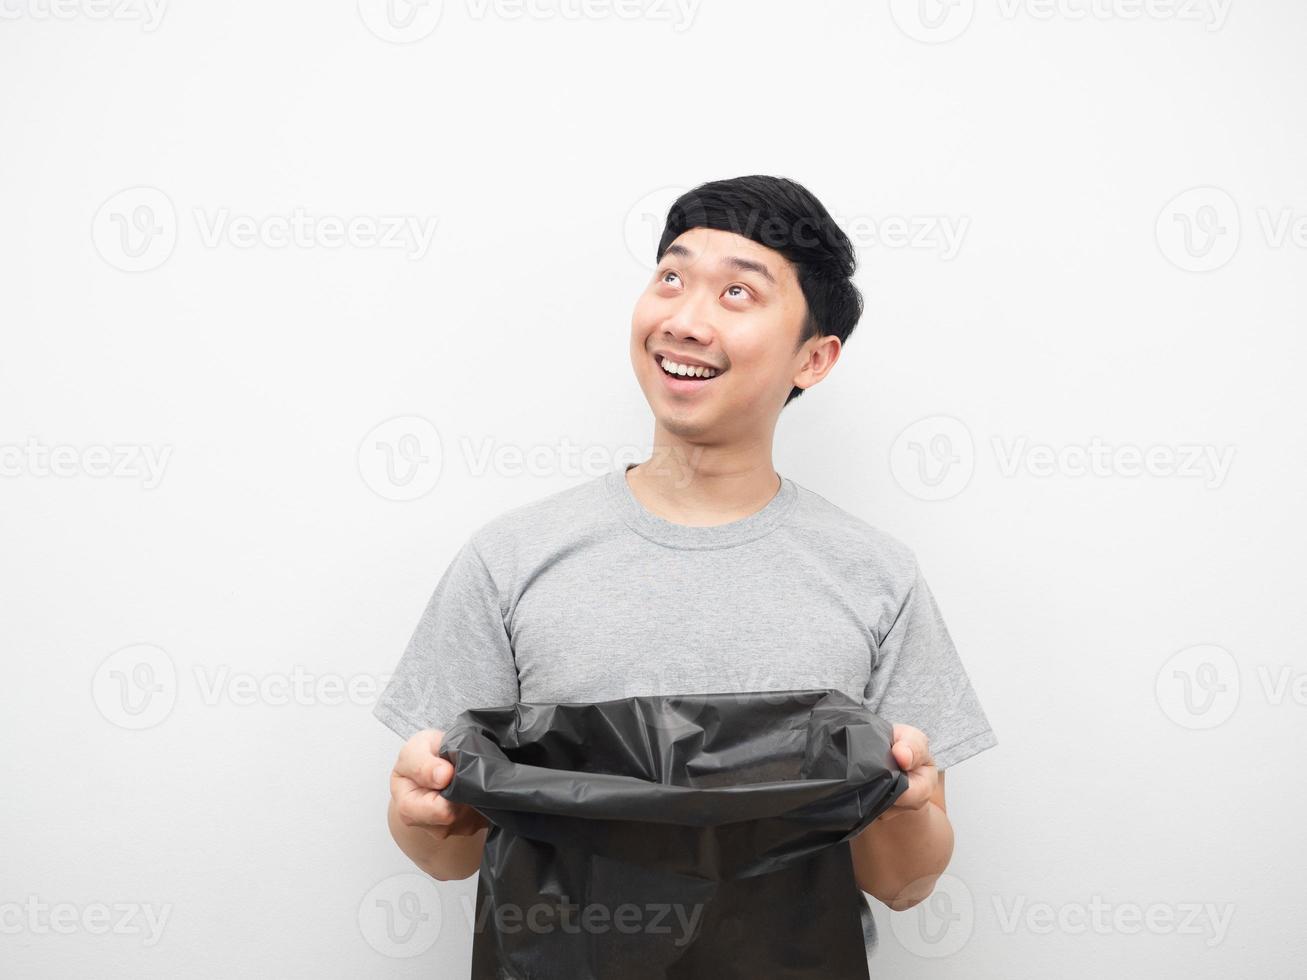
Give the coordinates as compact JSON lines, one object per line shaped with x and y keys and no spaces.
{"x":673,"y":535}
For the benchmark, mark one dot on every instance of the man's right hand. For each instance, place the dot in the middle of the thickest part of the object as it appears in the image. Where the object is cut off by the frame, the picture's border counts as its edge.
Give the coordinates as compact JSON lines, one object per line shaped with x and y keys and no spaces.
{"x":415,"y":786}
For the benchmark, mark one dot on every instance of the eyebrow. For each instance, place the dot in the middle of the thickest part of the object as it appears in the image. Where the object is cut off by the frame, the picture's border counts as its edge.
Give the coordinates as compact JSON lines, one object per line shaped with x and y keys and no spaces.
{"x":734,"y":261}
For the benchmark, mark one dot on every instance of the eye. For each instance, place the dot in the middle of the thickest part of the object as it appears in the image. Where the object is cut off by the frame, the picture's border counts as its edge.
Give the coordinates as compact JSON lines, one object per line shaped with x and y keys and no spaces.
{"x":668,"y":272}
{"x":738,"y":286}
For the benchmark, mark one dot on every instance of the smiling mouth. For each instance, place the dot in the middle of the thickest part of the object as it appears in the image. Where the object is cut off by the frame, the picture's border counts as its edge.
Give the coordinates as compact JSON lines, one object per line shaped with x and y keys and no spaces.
{"x":685,"y":372}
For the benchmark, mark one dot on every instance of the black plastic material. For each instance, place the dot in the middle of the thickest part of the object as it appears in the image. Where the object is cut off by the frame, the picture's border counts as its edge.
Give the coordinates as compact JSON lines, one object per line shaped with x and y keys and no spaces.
{"x":672,"y":837}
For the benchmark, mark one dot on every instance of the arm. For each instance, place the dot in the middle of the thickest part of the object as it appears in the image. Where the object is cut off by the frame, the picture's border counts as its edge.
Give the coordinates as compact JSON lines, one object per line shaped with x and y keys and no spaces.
{"x":900,"y":855}
{"x":460,"y":656}
{"x":918,"y":678}
{"x":453,"y":859}
{"x":444,"y":839}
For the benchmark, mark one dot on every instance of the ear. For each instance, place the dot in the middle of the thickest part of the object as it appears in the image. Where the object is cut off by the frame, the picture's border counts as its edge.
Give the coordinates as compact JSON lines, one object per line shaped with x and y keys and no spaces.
{"x":822,"y":353}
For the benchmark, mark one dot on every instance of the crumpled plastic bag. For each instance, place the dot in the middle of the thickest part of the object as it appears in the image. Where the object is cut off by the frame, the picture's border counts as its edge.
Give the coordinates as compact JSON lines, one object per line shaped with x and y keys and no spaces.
{"x":688,"y":837}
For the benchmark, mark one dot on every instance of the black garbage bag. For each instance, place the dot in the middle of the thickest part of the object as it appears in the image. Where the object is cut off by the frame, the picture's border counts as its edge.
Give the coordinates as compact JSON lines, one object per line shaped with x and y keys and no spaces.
{"x":694,"y":837}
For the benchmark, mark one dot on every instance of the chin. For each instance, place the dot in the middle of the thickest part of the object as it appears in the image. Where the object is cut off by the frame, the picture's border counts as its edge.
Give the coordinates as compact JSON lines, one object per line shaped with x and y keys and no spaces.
{"x":685,"y":425}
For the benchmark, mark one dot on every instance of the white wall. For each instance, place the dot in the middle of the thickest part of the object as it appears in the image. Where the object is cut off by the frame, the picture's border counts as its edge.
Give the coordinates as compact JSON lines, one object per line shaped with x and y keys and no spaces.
{"x":1067,"y":311}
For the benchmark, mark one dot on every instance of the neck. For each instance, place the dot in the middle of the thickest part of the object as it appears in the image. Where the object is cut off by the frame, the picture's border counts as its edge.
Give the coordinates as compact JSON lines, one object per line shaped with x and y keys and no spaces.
{"x":702,"y":485}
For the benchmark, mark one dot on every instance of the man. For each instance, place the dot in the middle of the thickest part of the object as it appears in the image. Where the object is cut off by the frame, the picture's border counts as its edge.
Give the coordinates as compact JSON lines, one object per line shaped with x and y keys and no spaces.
{"x":701,"y":569}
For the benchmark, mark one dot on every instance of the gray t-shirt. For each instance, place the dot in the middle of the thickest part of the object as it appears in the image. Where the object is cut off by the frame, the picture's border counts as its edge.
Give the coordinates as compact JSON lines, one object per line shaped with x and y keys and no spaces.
{"x":585,"y":595}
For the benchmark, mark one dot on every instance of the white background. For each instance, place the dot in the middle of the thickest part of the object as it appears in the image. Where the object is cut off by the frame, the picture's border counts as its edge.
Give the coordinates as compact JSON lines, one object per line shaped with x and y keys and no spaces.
{"x":1130,"y":631}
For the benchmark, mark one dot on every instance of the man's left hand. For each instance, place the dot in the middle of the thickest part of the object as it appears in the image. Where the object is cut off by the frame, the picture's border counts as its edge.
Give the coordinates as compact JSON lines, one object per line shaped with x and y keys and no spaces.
{"x":911,"y":750}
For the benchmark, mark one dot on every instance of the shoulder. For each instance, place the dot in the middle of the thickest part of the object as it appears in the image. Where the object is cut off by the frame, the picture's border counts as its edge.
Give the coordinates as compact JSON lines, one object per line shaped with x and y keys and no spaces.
{"x":863,"y":548}
{"x":541,"y":526}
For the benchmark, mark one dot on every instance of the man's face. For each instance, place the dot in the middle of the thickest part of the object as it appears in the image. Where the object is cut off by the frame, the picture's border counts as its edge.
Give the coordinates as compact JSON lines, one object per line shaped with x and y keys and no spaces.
{"x":722,"y":301}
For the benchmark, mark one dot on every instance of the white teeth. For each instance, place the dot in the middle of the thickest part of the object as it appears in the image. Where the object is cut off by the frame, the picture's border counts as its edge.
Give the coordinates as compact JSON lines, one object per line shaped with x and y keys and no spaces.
{"x":688,"y":370}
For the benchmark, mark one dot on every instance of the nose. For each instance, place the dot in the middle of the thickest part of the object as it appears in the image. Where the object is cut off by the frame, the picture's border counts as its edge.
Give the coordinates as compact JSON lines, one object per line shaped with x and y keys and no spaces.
{"x":691,"y":320}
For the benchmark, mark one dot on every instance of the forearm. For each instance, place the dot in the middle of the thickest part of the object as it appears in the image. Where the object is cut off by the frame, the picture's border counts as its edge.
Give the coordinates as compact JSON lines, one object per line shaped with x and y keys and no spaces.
{"x":898,"y":858}
{"x":454,"y":858}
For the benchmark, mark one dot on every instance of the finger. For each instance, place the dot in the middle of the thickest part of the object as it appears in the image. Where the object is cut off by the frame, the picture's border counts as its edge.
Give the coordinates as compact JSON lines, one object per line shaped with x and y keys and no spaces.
{"x":416,"y":806}
{"x":915,"y":751}
{"x":903,"y":755}
{"x":911,"y":750}
{"x":427,"y":771}
{"x":921,"y":786}
{"x":437,"y":773}
{"x":420,"y":761}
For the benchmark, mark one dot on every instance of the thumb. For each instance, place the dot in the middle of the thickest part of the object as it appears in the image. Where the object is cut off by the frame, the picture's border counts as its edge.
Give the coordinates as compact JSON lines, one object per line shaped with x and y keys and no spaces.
{"x":903,"y":755}
{"x":439,"y":773}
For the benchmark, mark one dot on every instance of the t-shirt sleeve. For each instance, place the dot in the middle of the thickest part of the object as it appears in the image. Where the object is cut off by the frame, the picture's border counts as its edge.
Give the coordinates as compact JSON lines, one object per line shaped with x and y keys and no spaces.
{"x":918,"y":679}
{"x":459,"y":656}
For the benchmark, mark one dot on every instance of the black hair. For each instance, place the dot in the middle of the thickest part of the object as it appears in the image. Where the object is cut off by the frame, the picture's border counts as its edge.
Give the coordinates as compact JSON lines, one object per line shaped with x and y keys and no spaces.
{"x":782,"y":215}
